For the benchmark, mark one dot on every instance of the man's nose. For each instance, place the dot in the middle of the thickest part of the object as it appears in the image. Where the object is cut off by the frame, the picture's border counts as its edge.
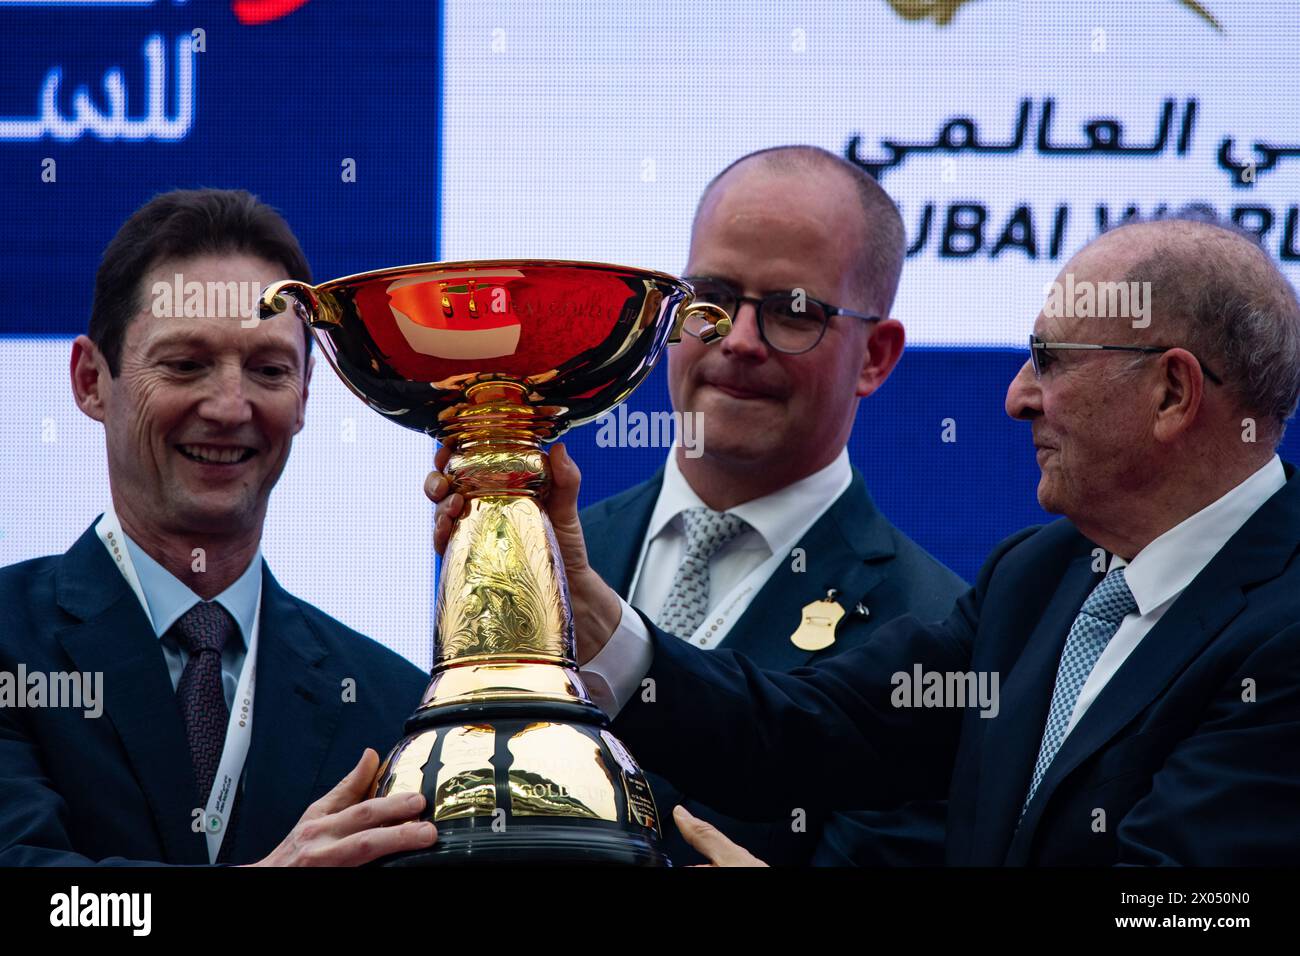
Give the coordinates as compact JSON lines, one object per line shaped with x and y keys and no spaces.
{"x":744,"y":340}
{"x":1024,"y":397}
{"x":225,"y":402}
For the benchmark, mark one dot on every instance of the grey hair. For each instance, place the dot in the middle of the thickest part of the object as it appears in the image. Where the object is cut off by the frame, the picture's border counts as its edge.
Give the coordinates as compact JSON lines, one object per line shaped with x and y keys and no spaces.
{"x":1236,"y":310}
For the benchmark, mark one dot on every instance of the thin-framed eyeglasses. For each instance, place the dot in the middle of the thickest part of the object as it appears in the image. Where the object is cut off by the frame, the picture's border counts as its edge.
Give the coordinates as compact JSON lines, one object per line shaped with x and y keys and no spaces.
{"x":791,"y":322}
{"x":1040,"y":353}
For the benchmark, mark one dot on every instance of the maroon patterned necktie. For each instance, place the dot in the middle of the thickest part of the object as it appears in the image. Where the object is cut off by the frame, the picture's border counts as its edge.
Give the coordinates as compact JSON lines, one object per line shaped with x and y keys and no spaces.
{"x":203,"y":631}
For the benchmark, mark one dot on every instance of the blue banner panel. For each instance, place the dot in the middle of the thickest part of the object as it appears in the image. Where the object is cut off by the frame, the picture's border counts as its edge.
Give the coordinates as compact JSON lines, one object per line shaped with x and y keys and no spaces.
{"x":941,"y":458}
{"x":327,"y":109}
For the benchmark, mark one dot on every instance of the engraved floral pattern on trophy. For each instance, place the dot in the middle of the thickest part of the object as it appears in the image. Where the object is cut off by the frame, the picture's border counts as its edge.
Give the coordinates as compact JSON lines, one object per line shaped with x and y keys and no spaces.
{"x":501,"y":589}
{"x":500,"y":357}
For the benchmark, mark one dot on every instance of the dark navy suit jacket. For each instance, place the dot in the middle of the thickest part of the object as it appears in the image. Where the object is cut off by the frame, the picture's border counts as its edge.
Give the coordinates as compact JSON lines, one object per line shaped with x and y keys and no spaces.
{"x":855,"y":550}
{"x":119,"y":788}
{"x":1189,"y":755}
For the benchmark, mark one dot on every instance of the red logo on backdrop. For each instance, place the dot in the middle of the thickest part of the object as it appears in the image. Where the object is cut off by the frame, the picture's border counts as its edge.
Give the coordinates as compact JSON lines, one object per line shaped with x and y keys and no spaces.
{"x":250,"y":12}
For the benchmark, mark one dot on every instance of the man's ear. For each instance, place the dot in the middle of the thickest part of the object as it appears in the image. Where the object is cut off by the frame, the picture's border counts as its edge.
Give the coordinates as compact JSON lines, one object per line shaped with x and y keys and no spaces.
{"x":1181,"y":389}
{"x":884,"y":348}
{"x":90,"y":378}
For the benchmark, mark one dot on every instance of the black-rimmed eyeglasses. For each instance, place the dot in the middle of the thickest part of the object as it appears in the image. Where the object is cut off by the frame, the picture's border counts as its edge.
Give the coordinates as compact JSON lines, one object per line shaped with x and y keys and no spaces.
{"x":1040,"y":353}
{"x":790,"y":322}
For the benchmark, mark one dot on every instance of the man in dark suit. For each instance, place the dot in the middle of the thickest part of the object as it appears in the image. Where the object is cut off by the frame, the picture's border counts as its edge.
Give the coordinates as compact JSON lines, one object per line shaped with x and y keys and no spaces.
{"x":804,"y":251}
{"x":877,"y":573}
{"x":764,"y":523}
{"x":1143,"y":652}
{"x":224,"y":709}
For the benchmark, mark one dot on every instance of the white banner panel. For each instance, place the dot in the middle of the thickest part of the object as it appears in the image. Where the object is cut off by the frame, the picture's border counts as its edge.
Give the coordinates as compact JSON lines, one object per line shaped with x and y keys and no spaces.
{"x":348,"y":527}
{"x":1005,"y":130}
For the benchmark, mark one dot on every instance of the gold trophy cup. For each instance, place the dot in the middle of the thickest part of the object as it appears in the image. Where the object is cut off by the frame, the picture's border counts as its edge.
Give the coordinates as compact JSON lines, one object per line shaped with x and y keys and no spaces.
{"x":515,"y":760}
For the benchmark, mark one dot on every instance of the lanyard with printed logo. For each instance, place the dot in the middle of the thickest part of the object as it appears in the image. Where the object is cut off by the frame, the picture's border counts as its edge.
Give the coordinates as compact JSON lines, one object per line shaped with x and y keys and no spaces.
{"x":239,"y":730}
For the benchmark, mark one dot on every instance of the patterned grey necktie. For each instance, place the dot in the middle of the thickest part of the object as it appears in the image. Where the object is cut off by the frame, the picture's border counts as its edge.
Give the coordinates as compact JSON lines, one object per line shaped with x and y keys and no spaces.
{"x":1099,"y":618}
{"x":688,"y":600}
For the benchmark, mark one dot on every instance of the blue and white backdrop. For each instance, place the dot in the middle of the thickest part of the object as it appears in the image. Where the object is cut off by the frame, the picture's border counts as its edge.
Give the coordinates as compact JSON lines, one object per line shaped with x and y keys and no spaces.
{"x":1009,"y":132}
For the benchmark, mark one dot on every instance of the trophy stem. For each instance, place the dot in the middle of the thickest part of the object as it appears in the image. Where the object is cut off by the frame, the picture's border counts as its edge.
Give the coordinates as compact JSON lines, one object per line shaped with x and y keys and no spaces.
{"x":504,"y":627}
{"x":515,"y":759}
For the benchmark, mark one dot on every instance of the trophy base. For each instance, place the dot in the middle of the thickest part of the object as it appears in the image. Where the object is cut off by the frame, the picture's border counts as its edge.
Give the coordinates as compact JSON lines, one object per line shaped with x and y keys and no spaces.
{"x":550,"y":844}
{"x":519,"y":782}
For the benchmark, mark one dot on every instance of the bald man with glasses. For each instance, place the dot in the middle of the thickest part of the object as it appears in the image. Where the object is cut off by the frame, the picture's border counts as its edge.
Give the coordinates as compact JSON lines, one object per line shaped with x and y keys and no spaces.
{"x":768,"y":543}
{"x":1146,"y":644}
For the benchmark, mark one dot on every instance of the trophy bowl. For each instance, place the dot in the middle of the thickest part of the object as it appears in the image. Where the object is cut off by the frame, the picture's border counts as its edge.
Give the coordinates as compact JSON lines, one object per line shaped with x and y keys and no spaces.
{"x":515,"y":760}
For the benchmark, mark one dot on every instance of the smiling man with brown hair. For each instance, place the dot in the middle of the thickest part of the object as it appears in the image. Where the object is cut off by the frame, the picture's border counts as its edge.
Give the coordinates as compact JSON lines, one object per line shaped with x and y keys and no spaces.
{"x":227,"y":723}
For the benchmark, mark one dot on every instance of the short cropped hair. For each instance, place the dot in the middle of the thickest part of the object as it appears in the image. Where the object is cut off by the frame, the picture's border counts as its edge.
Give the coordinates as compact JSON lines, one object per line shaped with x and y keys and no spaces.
{"x":1215,"y":284}
{"x":883,"y":241}
{"x":182,"y":224}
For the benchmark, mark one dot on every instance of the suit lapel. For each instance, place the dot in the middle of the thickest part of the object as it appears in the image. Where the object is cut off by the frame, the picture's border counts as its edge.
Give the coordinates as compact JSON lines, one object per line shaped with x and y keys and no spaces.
{"x":615,"y":531}
{"x":1258,"y":552}
{"x":1012,"y":739}
{"x":115,"y":639}
{"x":846,"y":550}
{"x":296,"y":711}
{"x":1181,"y":634}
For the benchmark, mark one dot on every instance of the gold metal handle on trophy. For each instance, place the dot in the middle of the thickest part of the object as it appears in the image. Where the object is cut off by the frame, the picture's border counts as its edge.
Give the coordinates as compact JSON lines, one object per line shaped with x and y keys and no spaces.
{"x":718,"y":322}
{"x":314,"y":310}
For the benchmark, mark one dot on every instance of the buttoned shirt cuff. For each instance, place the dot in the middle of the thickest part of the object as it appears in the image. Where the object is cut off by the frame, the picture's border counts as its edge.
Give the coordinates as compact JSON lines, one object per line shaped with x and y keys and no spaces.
{"x":614,"y":675}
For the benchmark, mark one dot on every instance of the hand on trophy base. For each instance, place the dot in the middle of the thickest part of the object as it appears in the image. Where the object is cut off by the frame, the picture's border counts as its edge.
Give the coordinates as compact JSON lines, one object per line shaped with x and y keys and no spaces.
{"x":343,"y":828}
{"x":710,"y":842}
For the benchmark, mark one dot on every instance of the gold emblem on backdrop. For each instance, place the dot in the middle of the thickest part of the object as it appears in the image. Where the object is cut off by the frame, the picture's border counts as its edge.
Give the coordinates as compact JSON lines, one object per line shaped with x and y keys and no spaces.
{"x":942,"y":11}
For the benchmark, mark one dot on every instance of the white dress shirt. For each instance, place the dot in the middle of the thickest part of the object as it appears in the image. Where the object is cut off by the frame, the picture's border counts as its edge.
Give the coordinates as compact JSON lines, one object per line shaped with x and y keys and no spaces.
{"x":736,"y":573}
{"x":1161,"y":571}
{"x":1157,"y":575}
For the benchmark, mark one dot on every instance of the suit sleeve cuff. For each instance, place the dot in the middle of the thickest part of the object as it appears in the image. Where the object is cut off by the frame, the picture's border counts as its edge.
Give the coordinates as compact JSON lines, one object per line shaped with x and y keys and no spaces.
{"x":614,"y":675}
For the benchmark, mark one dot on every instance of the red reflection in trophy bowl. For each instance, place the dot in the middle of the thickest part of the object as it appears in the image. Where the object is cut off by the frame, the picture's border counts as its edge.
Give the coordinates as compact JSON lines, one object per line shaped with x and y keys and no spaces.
{"x":573,"y":338}
{"x":502,"y":356}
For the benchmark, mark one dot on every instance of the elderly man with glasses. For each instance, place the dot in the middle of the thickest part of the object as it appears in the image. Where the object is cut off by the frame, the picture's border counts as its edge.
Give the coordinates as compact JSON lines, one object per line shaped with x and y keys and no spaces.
{"x":768,"y":543}
{"x":1146,"y":645}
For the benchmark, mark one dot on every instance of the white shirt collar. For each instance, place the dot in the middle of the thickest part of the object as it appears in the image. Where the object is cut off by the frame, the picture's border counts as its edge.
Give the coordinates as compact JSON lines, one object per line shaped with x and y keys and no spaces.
{"x":1164,"y":568}
{"x":779,"y":518}
{"x":168,"y":598}
{"x":164,"y":597}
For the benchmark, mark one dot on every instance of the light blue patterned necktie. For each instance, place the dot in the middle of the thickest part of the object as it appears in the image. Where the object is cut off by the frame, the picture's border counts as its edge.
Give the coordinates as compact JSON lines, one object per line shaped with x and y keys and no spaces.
{"x":1099,"y":618}
{"x":688,"y":600}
